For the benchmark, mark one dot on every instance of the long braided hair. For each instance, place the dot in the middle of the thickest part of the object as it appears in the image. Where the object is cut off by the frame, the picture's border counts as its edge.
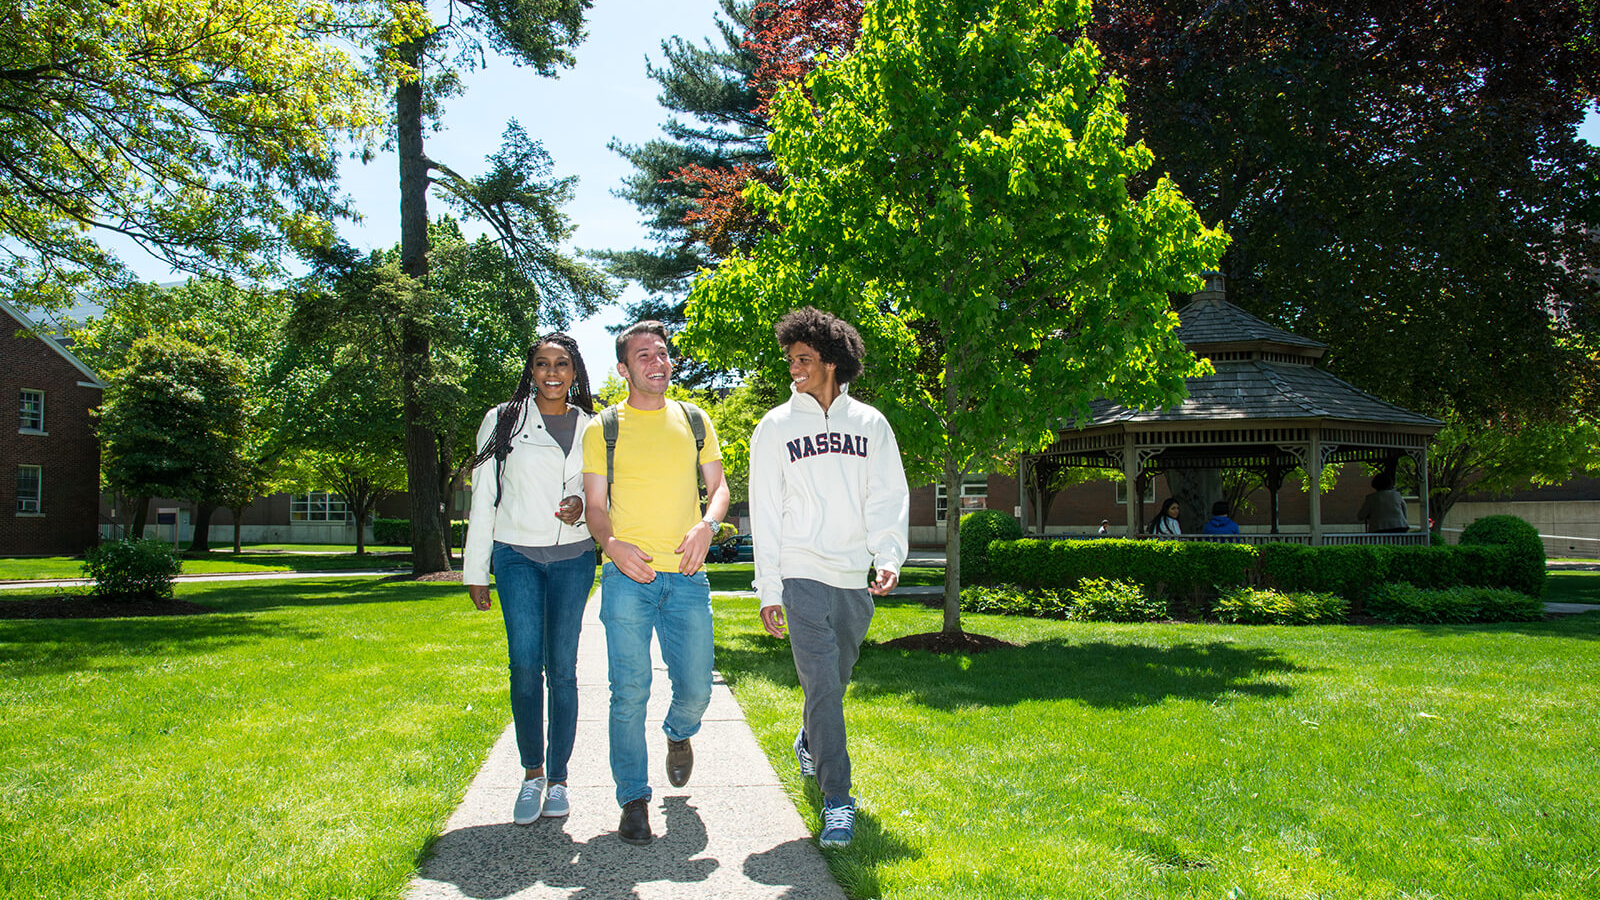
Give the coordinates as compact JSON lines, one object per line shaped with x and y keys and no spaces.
{"x":499,"y":444}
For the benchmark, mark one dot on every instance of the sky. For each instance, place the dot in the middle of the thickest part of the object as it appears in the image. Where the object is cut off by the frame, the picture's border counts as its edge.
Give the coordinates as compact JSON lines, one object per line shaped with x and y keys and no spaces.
{"x":606,"y":95}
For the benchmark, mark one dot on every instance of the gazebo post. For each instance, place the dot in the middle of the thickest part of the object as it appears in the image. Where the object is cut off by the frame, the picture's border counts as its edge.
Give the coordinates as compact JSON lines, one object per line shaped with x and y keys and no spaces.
{"x":1313,"y":471}
{"x":1130,"y":472}
{"x":1274,"y":483}
{"x":1422,"y":458}
{"x":1025,"y":487}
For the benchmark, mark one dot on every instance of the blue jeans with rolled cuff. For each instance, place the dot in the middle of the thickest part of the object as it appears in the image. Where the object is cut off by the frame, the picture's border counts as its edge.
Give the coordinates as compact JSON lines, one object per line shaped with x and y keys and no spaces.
{"x":542,"y":604}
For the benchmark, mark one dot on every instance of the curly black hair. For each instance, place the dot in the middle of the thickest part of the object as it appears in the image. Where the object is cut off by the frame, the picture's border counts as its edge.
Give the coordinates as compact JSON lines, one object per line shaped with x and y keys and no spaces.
{"x":835,"y":340}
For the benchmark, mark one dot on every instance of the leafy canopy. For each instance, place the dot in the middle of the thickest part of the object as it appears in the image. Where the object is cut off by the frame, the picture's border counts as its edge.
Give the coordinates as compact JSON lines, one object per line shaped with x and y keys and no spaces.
{"x":202,"y":130}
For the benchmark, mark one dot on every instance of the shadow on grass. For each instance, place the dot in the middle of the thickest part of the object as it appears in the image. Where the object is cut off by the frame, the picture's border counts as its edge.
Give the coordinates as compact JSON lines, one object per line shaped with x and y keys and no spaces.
{"x":36,"y":647}
{"x":1582,"y":627}
{"x":855,"y":867}
{"x":1100,"y":674}
{"x":260,"y":596}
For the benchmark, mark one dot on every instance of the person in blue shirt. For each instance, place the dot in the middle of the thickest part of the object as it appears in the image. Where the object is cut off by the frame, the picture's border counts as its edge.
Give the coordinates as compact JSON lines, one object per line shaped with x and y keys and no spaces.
{"x":1220,"y":523}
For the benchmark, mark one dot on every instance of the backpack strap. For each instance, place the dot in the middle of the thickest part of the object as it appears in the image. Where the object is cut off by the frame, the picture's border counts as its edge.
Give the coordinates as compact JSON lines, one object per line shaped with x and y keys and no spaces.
{"x":609,"y":428}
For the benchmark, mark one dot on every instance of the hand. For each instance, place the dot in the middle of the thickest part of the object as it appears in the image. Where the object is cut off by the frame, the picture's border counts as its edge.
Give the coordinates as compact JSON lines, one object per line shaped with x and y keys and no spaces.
{"x":630,"y":560}
{"x":480,"y":596}
{"x":773,"y":620}
{"x":693,"y":548}
{"x":570,"y":510}
{"x":884,"y":583}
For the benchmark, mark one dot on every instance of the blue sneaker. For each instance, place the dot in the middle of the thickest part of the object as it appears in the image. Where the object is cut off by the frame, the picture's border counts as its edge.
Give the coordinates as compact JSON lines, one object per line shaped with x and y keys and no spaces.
{"x":838,"y":822}
{"x":808,"y":768}
{"x":530,"y":801}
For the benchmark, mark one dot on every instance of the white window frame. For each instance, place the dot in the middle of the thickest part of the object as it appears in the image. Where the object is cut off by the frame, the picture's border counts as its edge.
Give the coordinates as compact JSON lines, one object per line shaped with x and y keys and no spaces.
{"x":34,"y":505}
{"x":22,"y":412}
{"x":318,"y":506}
{"x":1122,"y":491}
{"x":974,"y":496}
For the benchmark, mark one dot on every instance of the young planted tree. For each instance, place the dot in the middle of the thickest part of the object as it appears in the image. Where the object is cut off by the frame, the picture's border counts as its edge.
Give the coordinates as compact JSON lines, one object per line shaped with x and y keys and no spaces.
{"x":959,"y":189}
{"x":1482,"y":457}
{"x":516,"y":197}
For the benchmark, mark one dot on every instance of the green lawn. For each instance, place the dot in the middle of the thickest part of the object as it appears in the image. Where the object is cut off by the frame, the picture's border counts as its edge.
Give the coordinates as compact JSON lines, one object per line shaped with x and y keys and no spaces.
{"x":52,"y":568}
{"x":1572,"y":587}
{"x":737,"y":576}
{"x":306,"y":741}
{"x":1168,"y":761}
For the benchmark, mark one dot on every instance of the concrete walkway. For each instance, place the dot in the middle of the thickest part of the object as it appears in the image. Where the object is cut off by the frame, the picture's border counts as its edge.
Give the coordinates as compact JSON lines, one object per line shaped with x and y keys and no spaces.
{"x":730,"y":833}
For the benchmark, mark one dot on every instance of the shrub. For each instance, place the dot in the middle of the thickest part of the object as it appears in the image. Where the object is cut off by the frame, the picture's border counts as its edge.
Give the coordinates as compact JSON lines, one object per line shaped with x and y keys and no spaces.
{"x":1252,"y":606}
{"x":397,"y":532}
{"x":977,"y":530}
{"x":1108,"y":600}
{"x":1408,"y":604}
{"x":1351,"y":571}
{"x":1521,"y":540}
{"x":132,"y":569}
{"x":1185,"y":572}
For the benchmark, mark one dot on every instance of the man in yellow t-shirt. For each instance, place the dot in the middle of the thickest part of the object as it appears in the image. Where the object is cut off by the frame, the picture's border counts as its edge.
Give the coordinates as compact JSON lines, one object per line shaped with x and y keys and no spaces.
{"x":649,"y":525}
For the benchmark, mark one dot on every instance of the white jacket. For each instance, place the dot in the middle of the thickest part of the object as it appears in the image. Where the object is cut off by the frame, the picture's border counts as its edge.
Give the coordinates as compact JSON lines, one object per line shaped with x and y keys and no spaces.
{"x":828,"y":495}
{"x":535,"y":479}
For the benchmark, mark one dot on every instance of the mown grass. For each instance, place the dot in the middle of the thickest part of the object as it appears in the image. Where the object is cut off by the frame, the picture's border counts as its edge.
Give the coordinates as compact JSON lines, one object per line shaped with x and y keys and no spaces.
{"x":307,"y":740}
{"x":1174,"y":760}
{"x":726,"y":577}
{"x":1572,"y":587}
{"x":55,"y":568}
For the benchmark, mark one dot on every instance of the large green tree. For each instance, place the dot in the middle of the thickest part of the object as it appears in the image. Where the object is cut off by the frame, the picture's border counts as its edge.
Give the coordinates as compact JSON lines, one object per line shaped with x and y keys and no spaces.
{"x":202,"y":130}
{"x":516,"y":197}
{"x":173,"y":421}
{"x":1401,"y":178}
{"x":959,"y":188}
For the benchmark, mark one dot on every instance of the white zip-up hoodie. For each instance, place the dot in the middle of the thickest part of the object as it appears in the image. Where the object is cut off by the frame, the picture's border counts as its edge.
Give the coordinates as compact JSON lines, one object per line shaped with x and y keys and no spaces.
{"x":535,"y":479}
{"x":828,"y":495}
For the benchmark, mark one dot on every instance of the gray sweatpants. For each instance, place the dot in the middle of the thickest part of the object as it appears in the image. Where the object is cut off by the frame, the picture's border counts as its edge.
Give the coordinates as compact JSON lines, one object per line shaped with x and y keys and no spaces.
{"x":826,"y":627}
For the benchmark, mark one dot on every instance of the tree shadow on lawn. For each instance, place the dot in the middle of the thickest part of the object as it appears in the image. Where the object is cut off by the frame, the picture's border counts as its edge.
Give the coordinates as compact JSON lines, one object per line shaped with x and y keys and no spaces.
{"x":37,"y":647}
{"x":1582,"y":627}
{"x":1100,"y":674}
{"x":261,"y":596}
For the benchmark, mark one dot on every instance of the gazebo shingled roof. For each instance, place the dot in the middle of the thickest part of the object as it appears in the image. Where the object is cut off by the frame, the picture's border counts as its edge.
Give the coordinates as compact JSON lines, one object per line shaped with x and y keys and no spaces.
{"x":1266,"y":408}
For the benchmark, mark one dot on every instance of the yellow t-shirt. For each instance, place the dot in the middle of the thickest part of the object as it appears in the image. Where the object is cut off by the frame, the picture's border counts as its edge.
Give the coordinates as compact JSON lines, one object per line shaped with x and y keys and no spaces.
{"x":655,"y":496}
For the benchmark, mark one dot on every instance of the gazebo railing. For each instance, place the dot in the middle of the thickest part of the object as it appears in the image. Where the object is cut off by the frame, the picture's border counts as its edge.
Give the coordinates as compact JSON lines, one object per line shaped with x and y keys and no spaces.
{"x":1414,"y":538}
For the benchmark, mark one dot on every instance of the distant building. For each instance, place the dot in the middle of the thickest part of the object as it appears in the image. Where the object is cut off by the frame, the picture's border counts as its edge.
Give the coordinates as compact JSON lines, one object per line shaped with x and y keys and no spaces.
{"x":49,"y":465}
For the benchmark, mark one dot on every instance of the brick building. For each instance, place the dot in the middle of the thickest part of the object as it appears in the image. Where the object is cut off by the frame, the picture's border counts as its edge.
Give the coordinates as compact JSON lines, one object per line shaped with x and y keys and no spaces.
{"x":51,"y":462}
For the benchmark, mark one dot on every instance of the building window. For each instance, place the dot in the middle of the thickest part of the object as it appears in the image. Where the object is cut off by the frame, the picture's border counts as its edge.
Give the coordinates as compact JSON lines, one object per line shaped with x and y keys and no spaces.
{"x":1149,"y":491}
{"x":974,"y":496}
{"x":318,"y":506}
{"x":30,"y":489}
{"x":32,"y":418}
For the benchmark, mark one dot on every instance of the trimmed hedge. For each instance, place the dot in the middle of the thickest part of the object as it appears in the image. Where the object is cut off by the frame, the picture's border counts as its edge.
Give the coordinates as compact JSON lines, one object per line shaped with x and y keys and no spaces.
{"x":397,"y":532}
{"x":1254,"y":606}
{"x":1526,"y":565}
{"x":977,"y":530}
{"x":1407,"y":604}
{"x":132,"y":569}
{"x":1093,"y":600}
{"x":1190,"y":573}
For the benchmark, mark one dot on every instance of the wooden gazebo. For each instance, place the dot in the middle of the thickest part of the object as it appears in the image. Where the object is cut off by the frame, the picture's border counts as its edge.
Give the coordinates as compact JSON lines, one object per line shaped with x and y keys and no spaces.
{"x":1267,"y":409}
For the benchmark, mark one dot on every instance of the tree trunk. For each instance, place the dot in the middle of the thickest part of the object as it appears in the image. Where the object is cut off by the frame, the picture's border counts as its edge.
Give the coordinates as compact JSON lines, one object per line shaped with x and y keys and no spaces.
{"x":238,"y":515}
{"x":952,"y":546}
{"x":1196,"y":490}
{"x":428,"y":553}
{"x":361,"y":504}
{"x":141,"y":515}
{"x":201,"y":541}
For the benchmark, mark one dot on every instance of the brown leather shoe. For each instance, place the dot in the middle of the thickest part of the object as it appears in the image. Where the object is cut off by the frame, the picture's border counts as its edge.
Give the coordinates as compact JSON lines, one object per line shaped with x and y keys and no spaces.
{"x":635,"y":825}
{"x":680,"y":762}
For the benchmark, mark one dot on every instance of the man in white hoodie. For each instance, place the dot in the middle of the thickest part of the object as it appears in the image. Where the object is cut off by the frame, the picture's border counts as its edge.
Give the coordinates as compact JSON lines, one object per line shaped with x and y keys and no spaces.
{"x":828,"y":500}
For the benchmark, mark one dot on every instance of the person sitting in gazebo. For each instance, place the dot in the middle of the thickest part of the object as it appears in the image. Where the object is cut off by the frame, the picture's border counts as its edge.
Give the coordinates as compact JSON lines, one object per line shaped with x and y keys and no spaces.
{"x":1384,"y":510}
{"x":1166,"y":521}
{"x":1219,"y":522}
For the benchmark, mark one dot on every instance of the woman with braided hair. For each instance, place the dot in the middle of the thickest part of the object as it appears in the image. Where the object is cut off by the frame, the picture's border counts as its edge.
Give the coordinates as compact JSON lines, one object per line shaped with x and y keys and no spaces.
{"x":527,"y":522}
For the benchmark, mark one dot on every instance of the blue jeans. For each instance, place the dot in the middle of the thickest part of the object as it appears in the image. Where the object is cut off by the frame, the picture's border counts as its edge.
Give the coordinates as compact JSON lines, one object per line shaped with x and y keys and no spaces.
{"x":543,"y":607}
{"x":678,"y":609}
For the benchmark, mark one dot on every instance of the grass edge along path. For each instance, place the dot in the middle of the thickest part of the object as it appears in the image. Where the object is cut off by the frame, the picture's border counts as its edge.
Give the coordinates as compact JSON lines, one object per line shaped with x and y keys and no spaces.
{"x":307,"y":740}
{"x":1177,"y":760}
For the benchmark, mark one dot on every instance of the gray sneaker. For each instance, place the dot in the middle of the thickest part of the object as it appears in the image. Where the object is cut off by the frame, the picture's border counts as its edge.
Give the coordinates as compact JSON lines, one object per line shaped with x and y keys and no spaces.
{"x":530,"y":800}
{"x":555,"y":802}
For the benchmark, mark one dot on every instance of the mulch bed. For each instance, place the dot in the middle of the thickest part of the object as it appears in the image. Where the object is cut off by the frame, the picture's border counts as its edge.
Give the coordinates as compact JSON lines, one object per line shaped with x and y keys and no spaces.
{"x":431,"y":576}
{"x":78,"y":606}
{"x":948,"y":642}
